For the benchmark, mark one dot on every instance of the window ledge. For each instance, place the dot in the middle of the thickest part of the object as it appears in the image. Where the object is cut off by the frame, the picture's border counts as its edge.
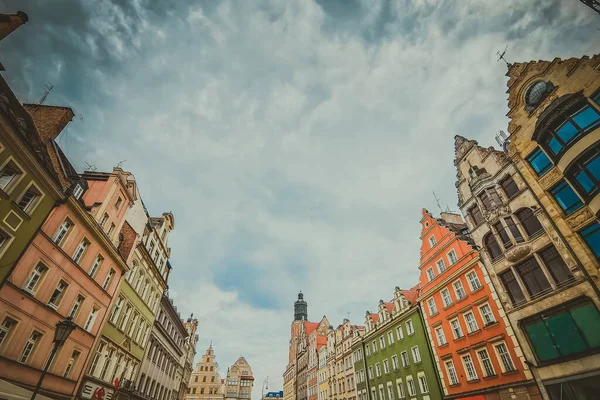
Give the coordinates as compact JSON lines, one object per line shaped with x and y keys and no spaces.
{"x":433,"y":314}
{"x":21,"y":212}
{"x":490,"y":376}
{"x":477,"y":290}
{"x":474,"y":332}
{"x":512,"y":372}
{"x":460,"y":338}
{"x":473,"y":380}
{"x":443,"y":345}
{"x":462,"y":299}
{"x":448,"y":306}
{"x":455,"y":385}
{"x":490,"y":324}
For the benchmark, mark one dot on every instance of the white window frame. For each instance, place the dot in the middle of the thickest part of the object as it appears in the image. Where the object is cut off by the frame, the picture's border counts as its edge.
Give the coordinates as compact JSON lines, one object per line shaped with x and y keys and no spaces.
{"x":5,"y":328}
{"x":410,"y":328}
{"x":38,"y":276}
{"x":30,"y":346}
{"x":395,"y":362}
{"x":377,"y":369}
{"x":76,"y":306}
{"x":108,"y":279}
{"x":482,"y":363}
{"x":450,"y":259}
{"x":423,"y":385}
{"x":371,"y":376}
{"x":386,"y":366}
{"x":432,"y":306}
{"x":472,"y":326}
{"x":446,"y":301}
{"x":451,"y":372}
{"x":432,"y":241}
{"x":441,"y":339}
{"x":471,"y":373}
{"x":374,"y":346}
{"x":457,"y":291}
{"x":382,"y":342}
{"x":462,"y":333}
{"x":405,"y":359}
{"x":390,"y":336}
{"x":32,"y":205}
{"x":484,"y":315}
{"x":441,"y":265}
{"x":71,"y":363}
{"x":472,"y":286}
{"x":16,"y":179}
{"x":81,"y":250}
{"x":430,"y":274}
{"x":410,"y":385}
{"x":400,"y":388}
{"x":77,"y":191}
{"x":416,"y":354}
{"x":91,"y":319}
{"x":399,"y":332}
{"x":61,"y":288}
{"x":501,"y":359}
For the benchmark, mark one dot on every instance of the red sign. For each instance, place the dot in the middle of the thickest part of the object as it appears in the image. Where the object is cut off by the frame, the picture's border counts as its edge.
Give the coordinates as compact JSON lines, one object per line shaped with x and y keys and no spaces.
{"x":116,"y":383}
{"x":98,"y":394}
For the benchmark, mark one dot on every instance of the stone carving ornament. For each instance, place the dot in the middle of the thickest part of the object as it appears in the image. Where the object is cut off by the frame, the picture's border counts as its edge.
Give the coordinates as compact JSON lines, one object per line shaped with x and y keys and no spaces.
{"x":580,"y":218}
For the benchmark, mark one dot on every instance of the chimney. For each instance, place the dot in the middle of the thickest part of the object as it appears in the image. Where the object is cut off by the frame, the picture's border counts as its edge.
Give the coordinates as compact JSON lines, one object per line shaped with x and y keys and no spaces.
{"x":10,"y":22}
{"x":50,"y":120}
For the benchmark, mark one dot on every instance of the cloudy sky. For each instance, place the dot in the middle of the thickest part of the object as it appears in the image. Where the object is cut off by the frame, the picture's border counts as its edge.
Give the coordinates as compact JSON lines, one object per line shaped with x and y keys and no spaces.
{"x":295,"y":141}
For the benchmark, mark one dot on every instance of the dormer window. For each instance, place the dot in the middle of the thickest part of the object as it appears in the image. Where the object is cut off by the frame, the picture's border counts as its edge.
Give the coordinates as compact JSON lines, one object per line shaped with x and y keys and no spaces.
{"x":118,"y":203}
{"x":77,"y":191}
{"x":535,"y":93}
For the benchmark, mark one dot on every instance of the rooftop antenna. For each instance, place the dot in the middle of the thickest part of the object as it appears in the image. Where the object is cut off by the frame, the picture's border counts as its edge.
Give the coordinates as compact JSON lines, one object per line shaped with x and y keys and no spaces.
{"x":47,"y":89}
{"x":89,"y":167}
{"x":437,"y":201}
{"x":120,"y":163}
{"x":348,"y":315}
{"x":501,"y":56}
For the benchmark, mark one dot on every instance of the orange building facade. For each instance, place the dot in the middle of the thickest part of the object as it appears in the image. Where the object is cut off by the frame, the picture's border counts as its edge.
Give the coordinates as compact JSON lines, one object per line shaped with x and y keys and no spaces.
{"x":72,"y":268}
{"x":475,"y":350}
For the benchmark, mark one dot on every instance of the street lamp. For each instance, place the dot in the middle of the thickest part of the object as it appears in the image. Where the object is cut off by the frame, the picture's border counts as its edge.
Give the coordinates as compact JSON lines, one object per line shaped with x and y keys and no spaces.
{"x":61,"y":334}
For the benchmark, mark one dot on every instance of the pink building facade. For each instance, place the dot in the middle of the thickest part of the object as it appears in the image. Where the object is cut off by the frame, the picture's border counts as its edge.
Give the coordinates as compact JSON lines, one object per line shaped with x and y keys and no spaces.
{"x":73,"y":267}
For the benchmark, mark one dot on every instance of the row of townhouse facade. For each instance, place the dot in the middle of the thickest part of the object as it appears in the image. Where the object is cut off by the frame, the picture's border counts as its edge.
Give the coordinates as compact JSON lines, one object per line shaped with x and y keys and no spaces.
{"x":509,"y":290}
{"x":81,"y":247}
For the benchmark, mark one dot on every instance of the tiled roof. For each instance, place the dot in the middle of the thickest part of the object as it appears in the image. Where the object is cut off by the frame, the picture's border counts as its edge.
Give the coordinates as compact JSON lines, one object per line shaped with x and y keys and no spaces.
{"x":310,"y":326}
{"x":374,"y":317}
{"x":389,"y":306}
{"x":411,"y":294}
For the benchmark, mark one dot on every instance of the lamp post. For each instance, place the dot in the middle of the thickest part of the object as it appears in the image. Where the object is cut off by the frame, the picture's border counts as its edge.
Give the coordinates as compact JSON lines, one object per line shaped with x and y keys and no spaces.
{"x":61,"y":333}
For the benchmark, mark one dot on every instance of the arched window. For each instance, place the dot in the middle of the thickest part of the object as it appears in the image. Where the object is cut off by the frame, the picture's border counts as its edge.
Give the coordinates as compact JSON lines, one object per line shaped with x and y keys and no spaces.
{"x":490,"y":243}
{"x":132,"y":271}
{"x":528,"y":221}
{"x":139,"y":281}
{"x":146,"y":286}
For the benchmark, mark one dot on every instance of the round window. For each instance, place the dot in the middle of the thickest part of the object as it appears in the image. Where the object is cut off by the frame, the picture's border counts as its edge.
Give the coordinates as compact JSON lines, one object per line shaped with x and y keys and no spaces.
{"x":535,"y":93}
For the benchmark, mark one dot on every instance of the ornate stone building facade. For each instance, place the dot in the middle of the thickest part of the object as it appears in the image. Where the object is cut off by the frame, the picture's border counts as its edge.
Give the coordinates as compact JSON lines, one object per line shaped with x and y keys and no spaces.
{"x":205,"y":382}
{"x":555,"y":145}
{"x":239,"y":381}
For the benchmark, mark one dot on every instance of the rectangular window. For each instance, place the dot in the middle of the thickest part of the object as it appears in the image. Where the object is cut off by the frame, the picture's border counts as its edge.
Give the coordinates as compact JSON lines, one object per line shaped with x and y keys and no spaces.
{"x":404,"y":356}
{"x":390,"y":391}
{"x":5,"y":329}
{"x":471,"y":322}
{"x":456,"y":329}
{"x":103,"y":220}
{"x":8,"y":175}
{"x":506,"y":362}
{"x":432,"y":307}
{"x":400,"y":387}
{"x":108,"y":279}
{"x":475,"y":214}
{"x":430,"y":274}
{"x":556,"y":266}
{"x":441,"y":265}
{"x":459,"y":290}
{"x":584,"y":174}
{"x":469,"y":367}
{"x":374,"y":346}
{"x":486,"y":314}
{"x":378,"y":369}
{"x":452,"y":257}
{"x":118,"y":203}
{"x":370,"y":372}
{"x":30,"y":346}
{"x":533,"y":277}
{"x":409,"y":327}
{"x":390,"y":335}
{"x":124,"y":317}
{"x":506,"y":242}
{"x":96,"y":265}
{"x":399,"y":333}
{"x":410,"y":384}
{"x":368,"y":350}
{"x":78,"y":191}
{"x":89,"y":323}
{"x":111,"y":230}
{"x":80,"y":250}
{"x":34,"y":279}
{"x":446,"y":299}
{"x":512,"y":287}
{"x":441,"y":337}
{"x":473,"y":280}
{"x":423,"y":383}
{"x":386,"y":366}
{"x":62,"y":231}
{"x":72,"y":361}
{"x":395,"y":362}
{"x":452,"y":377}
{"x":4,"y":238}
{"x":514,"y":231}
{"x":565,"y":330}
{"x":381,"y":342}
{"x":486,"y":363}
{"x":539,"y":161}
{"x":510,"y":187}
{"x":76,"y":306}
{"x":416,"y":354}
{"x":29,"y":199}
{"x":566,"y":197}
{"x":591,"y":236}
{"x":432,"y":241}
{"x":58,"y":294}
{"x":114,"y":315}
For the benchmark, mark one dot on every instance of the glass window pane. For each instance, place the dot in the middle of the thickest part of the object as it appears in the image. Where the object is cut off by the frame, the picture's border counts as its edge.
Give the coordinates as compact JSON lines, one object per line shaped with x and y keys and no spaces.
{"x":539,"y":161}
{"x":565,"y":334}
{"x":555,"y":146}
{"x":566,"y":197}
{"x":556,"y":266}
{"x":587,"y":319}
{"x":533,"y":277}
{"x":541,"y":341}
{"x":512,"y":287}
{"x":587,"y":117}
{"x":593,"y":167}
{"x":584,"y":180}
{"x":567,"y":132}
{"x":591,"y":235}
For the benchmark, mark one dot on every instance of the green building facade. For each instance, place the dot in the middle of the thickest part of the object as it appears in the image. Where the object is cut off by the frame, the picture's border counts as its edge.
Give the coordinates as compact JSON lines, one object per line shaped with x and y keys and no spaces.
{"x":29,"y":186}
{"x":392,"y":359}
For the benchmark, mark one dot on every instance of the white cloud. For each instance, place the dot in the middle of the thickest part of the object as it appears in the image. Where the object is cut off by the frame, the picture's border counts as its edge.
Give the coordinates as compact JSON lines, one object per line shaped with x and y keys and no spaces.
{"x":293,"y":141}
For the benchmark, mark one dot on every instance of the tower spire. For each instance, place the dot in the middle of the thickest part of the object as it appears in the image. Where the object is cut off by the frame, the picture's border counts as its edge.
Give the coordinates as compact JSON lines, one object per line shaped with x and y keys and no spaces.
{"x":300,"y":308}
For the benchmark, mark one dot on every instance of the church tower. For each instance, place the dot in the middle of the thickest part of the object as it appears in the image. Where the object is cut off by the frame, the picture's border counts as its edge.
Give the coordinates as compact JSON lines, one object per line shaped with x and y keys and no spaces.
{"x":205,"y":382}
{"x":300,"y":309}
